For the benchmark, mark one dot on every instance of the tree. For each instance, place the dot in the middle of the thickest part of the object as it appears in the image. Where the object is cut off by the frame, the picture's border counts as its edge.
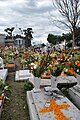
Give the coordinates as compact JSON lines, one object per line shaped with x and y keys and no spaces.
{"x":78,"y":36}
{"x":67,"y":37}
{"x":28,"y":36}
{"x":70,"y":10}
{"x":9,"y":31}
{"x":51,"y":39}
{"x":54,"y":39}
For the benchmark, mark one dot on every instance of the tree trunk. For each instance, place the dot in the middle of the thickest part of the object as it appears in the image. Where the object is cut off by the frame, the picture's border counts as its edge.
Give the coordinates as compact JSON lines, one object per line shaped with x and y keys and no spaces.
{"x":73,"y":39}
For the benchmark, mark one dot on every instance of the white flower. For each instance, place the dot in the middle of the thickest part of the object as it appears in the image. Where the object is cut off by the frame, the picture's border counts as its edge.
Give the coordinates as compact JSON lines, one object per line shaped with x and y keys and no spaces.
{"x":71,"y":56}
{"x":67,"y":59}
{"x":50,"y":65}
{"x":77,"y":70}
{"x":31,"y":68}
{"x":66,"y":70}
{"x":35,"y":66}
{"x":32,"y":64}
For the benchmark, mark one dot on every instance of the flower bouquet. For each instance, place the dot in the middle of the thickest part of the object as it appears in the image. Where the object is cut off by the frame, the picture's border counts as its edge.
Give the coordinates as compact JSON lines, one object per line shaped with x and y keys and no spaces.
{"x":37,"y":71}
{"x":56,"y":69}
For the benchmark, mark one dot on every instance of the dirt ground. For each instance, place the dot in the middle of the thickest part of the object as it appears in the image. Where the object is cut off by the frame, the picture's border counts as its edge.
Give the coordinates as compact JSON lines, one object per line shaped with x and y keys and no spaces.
{"x":16,"y":108}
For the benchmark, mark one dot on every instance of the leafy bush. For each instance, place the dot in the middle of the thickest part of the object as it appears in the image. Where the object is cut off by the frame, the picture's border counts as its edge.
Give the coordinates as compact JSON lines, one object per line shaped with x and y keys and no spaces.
{"x":4,"y":88}
{"x":28,"y":86}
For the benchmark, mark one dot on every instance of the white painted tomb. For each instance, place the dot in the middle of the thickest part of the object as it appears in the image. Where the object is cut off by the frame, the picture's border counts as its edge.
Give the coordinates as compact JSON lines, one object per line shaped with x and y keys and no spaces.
{"x":22,"y":75}
{"x":38,"y":100}
{"x":74,"y":93}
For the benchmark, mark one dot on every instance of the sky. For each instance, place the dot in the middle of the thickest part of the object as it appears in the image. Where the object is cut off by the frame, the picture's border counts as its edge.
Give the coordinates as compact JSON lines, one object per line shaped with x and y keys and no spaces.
{"x":35,"y":14}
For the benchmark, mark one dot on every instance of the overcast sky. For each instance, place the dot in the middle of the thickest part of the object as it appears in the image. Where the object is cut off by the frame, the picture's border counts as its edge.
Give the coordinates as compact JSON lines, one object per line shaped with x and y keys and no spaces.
{"x":29,"y":13}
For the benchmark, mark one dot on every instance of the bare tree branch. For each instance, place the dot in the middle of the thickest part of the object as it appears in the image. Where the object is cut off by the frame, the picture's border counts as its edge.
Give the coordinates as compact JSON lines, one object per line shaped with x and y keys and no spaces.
{"x":69,"y":9}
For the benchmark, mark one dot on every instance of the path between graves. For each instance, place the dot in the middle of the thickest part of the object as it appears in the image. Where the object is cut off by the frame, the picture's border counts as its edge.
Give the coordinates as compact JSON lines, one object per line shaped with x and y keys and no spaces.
{"x":15,"y":108}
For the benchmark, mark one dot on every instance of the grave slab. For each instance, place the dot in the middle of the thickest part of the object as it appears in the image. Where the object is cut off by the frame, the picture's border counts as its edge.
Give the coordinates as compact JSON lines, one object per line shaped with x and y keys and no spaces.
{"x":66,"y":79}
{"x":31,"y":105}
{"x":40,"y":100}
{"x":22,"y":75}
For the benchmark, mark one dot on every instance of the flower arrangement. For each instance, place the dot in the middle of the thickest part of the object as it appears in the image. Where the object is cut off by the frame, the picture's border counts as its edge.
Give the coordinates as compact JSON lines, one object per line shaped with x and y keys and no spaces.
{"x":38,"y":70}
{"x":40,"y":67}
{"x":53,"y":62}
{"x":55,"y":68}
{"x":56,"y":71}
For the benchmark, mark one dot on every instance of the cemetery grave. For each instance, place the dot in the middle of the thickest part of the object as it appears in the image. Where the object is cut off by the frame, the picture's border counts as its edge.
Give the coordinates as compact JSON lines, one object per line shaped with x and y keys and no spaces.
{"x":40,"y":106}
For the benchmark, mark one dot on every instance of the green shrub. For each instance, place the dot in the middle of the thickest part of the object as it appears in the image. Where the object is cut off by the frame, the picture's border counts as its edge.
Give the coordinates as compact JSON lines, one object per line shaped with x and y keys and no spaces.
{"x":28,"y":86}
